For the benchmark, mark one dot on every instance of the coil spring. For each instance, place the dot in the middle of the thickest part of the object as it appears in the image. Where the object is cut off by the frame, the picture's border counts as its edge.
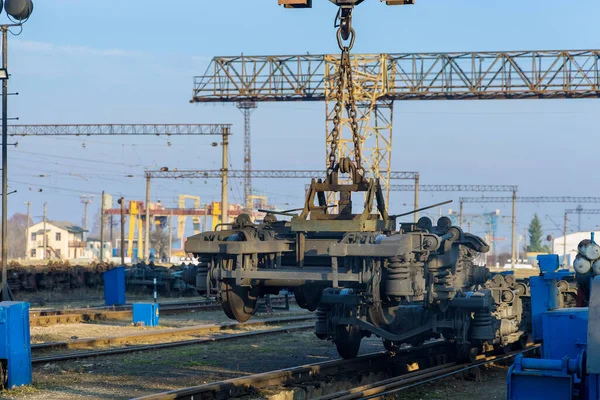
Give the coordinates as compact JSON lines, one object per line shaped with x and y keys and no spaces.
{"x":321,"y":325}
{"x":397,"y":270}
{"x":481,"y":319}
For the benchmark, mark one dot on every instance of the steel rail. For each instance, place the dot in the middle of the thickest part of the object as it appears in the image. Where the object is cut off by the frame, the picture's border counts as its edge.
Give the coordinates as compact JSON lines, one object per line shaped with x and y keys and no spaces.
{"x":286,"y":377}
{"x":381,"y":361}
{"x":55,"y":317}
{"x":410,"y":380}
{"x":228,"y":388}
{"x":163,"y":334}
{"x":160,"y":346}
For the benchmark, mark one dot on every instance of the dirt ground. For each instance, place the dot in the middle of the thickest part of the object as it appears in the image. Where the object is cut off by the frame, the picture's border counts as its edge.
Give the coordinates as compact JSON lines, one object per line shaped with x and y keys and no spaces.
{"x":143,"y":373}
{"x":66,"y":332}
{"x":490,"y":386}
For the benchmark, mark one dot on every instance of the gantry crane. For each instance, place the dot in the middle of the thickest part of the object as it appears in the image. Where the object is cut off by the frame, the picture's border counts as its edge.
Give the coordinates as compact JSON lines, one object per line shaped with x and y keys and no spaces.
{"x":383,"y":79}
{"x":223,"y":130}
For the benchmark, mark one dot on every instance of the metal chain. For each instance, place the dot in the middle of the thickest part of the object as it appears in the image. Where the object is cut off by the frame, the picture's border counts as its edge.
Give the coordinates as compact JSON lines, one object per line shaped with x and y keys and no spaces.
{"x":337,"y":110}
{"x":351,"y":109}
{"x":345,"y":83}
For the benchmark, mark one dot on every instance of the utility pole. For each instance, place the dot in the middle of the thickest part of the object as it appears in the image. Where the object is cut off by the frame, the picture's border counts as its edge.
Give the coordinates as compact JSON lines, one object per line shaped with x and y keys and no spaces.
{"x":28,"y":203}
{"x":5,"y":294}
{"x":565,"y":240}
{"x":224,"y":176}
{"x":146,"y":247}
{"x":513,"y":250}
{"x":44,"y":241}
{"x":205,"y":218}
{"x":579,"y":210}
{"x":417,"y":197}
{"x":170,"y":236}
{"x":247,"y":107}
{"x":86,"y":201}
{"x":122,"y":203}
{"x":102,"y":228}
{"x":460,"y":217}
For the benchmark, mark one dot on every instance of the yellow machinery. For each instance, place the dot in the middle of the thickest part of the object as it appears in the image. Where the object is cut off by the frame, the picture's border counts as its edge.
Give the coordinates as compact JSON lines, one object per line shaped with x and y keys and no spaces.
{"x":181,"y":220}
{"x":134,"y":219}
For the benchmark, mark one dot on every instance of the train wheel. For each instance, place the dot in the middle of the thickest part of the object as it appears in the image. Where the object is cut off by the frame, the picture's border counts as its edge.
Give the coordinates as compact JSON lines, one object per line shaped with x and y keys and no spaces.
{"x":238,"y":302}
{"x":347,"y":341}
{"x":465,"y":353}
{"x":521,"y":344}
{"x":308,"y":297}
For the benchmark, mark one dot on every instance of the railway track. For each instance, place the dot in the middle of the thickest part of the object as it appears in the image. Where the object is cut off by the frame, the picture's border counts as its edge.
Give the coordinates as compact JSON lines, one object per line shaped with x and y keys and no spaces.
{"x":330,"y":370}
{"x":73,"y":316}
{"x":410,"y":380}
{"x":127,"y":339}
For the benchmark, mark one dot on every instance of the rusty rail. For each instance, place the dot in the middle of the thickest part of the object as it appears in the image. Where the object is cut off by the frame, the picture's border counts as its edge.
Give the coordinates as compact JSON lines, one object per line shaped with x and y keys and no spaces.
{"x":410,"y":380}
{"x":131,"y":338}
{"x":54,"y":317}
{"x":163,"y":334}
{"x":302,"y":374}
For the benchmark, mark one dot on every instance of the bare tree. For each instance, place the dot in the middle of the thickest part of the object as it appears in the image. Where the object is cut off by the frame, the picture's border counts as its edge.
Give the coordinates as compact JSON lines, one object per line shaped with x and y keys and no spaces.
{"x":17,"y":225}
{"x":159,"y":240}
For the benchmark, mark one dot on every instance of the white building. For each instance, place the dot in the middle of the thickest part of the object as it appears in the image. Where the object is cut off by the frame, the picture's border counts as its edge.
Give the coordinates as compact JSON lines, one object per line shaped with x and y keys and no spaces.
{"x":573,"y":240}
{"x":93,"y":246}
{"x":64,"y":241}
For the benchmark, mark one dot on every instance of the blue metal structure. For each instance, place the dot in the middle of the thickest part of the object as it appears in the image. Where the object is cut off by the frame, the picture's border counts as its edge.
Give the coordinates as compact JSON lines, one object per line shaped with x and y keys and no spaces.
{"x":570,"y":363}
{"x":114,"y":286}
{"x":15,"y":347}
{"x":146,"y":314}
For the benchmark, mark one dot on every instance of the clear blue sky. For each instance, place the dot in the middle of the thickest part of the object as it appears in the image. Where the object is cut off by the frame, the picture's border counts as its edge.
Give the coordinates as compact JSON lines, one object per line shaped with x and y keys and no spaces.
{"x":132,"y":61}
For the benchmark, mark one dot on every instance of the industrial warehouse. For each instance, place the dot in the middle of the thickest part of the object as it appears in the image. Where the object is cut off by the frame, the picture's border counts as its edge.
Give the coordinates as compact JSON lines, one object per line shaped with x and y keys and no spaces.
{"x":174,"y":226}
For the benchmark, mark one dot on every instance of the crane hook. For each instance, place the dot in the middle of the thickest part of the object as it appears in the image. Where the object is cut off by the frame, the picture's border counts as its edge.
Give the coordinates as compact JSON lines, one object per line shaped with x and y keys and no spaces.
{"x":343,"y":21}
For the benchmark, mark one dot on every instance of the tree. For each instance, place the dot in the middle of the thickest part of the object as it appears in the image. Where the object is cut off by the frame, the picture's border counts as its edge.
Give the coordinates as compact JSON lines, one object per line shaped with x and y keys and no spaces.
{"x":17,"y":225}
{"x":535,"y":236}
{"x":159,"y":240}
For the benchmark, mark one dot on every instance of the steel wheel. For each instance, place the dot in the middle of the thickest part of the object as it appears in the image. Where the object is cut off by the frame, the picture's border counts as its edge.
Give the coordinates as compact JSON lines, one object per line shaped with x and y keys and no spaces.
{"x":308,"y":297}
{"x":238,"y":302}
{"x":347,"y":341}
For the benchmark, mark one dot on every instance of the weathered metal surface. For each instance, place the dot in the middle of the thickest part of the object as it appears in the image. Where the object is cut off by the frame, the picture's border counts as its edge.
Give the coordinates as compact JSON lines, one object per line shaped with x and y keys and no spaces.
{"x":204,"y":247}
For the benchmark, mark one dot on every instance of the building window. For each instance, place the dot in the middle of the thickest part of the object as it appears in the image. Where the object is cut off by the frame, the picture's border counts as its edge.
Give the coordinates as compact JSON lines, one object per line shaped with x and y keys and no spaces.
{"x":57,"y":251}
{"x":58,"y":236}
{"x":33,"y":236}
{"x":33,"y":252}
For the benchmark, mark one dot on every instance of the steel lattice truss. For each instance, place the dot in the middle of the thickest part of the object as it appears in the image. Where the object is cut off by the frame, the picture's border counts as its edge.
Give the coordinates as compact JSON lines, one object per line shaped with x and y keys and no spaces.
{"x":407,"y":76}
{"x":455,"y":188}
{"x":119,"y":129}
{"x":380,"y":79}
{"x":281,"y":174}
{"x":530,"y":199}
{"x":583,"y":211}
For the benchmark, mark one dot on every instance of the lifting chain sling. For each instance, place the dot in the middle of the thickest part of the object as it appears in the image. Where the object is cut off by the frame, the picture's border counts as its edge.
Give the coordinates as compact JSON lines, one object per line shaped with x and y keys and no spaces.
{"x":345,"y":83}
